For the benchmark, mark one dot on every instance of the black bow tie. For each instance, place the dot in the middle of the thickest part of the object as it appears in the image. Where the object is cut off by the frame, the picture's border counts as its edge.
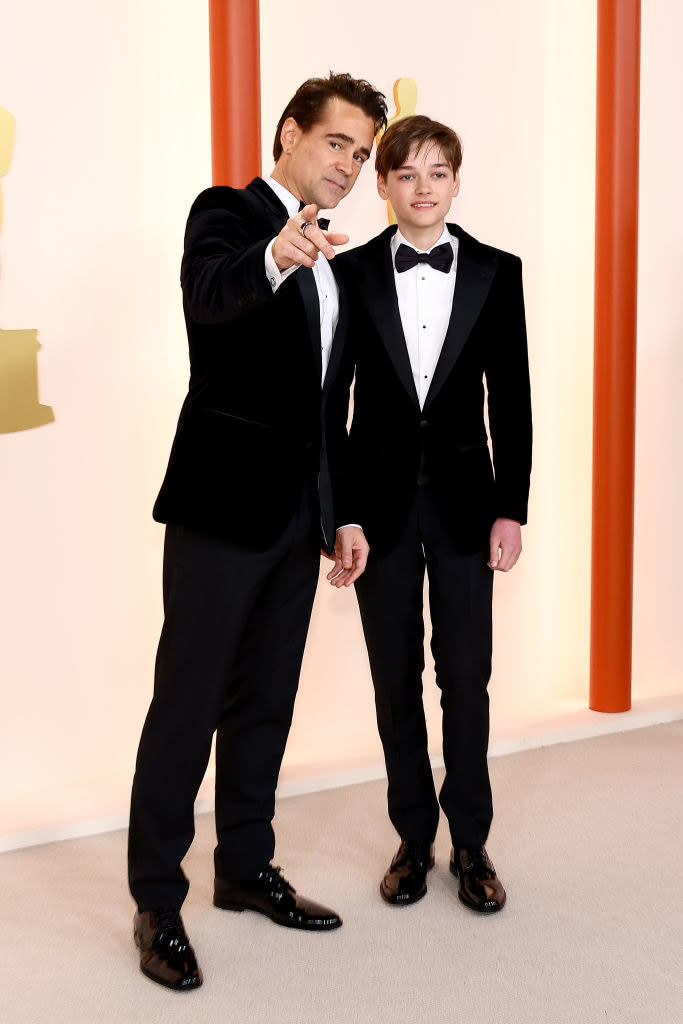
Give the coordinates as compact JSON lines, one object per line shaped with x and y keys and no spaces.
{"x":440,"y":258}
{"x":323,"y":222}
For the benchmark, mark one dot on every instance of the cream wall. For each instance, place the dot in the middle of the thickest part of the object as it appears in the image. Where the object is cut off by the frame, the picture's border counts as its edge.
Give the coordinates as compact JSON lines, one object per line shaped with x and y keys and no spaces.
{"x":112,"y":110}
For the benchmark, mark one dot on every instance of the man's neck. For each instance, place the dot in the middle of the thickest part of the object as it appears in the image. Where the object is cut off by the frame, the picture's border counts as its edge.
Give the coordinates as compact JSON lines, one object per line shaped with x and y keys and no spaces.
{"x":422,"y":238}
{"x":279,"y":174}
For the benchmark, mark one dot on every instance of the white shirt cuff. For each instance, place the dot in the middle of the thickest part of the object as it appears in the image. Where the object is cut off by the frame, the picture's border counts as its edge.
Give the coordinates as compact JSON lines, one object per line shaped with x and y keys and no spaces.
{"x":357,"y":525}
{"x":273,"y":273}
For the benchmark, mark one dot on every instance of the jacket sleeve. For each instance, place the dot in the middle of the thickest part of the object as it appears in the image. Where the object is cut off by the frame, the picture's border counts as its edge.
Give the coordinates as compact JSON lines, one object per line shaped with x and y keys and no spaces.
{"x":509,"y":395}
{"x":223,"y":268}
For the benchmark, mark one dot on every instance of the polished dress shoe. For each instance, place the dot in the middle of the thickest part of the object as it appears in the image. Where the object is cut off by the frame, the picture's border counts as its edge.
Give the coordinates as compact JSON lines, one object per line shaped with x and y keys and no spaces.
{"x":479,"y":887}
{"x":271,"y":894}
{"x":166,"y":955}
{"x":406,"y":878}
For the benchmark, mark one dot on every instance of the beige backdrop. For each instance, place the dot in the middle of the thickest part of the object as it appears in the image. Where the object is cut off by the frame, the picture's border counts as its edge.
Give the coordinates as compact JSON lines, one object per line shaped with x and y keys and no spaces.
{"x":112,"y":110}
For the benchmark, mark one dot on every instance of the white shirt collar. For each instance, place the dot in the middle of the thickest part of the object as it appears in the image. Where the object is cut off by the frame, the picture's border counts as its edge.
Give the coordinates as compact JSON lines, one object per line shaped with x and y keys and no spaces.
{"x":399,"y":239}
{"x":286,"y":198}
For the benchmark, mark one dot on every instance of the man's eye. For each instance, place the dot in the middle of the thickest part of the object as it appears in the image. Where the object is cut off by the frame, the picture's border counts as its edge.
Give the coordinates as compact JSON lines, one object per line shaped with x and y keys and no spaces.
{"x":335,"y":145}
{"x":358,"y":158}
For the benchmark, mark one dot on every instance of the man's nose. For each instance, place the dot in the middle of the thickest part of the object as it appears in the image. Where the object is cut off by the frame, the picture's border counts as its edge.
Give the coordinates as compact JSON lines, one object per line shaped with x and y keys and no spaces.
{"x":345,"y":164}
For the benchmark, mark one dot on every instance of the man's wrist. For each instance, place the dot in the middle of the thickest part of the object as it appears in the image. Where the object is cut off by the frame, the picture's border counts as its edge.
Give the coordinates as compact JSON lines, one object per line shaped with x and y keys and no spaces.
{"x":273,"y":273}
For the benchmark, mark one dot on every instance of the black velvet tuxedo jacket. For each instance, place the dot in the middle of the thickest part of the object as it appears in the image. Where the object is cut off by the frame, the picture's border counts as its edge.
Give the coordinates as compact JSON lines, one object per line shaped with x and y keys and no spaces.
{"x":392,"y":440}
{"x":251,"y":430}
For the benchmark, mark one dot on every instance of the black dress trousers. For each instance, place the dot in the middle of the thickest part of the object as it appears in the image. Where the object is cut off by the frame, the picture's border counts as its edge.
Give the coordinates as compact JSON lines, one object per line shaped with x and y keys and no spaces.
{"x":390,"y":597}
{"x":228,"y":662}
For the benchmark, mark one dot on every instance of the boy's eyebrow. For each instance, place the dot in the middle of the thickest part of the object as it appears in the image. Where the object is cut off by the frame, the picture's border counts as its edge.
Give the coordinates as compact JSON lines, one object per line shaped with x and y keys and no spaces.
{"x":347,"y":138}
{"x":409,"y":167}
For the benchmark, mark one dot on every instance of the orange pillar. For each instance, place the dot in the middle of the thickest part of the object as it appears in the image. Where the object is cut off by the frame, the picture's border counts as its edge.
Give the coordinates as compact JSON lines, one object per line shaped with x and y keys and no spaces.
{"x":616,"y":239}
{"x":235,"y":91}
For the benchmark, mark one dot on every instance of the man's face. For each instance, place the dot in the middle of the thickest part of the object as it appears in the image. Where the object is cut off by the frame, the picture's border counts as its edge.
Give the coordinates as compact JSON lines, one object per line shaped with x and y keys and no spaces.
{"x":422,"y":189}
{"x":323,"y":163}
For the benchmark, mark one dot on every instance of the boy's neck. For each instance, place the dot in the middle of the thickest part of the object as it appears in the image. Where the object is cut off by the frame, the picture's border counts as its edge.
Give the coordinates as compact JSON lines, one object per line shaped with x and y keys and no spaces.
{"x":422,"y":238}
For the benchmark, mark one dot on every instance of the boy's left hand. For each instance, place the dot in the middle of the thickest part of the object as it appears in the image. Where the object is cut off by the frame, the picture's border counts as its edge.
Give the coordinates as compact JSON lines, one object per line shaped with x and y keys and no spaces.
{"x":505,"y":544}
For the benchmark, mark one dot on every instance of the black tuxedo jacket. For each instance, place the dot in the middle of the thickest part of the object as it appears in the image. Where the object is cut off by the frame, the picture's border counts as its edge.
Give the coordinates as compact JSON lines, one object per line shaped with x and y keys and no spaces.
{"x":392,"y":440}
{"x":252,"y":426}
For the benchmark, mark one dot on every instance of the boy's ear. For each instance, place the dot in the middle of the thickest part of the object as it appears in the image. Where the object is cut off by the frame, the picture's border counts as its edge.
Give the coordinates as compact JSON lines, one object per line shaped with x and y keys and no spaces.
{"x":381,"y":187}
{"x":456,"y":183}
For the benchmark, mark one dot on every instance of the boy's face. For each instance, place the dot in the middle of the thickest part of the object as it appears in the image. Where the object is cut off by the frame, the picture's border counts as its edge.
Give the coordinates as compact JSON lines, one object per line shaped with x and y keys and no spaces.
{"x":421,"y":190}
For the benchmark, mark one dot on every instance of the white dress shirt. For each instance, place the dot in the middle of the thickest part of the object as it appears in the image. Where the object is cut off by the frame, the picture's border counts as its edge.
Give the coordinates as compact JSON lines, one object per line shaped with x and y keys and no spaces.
{"x":328,"y":293}
{"x":425,"y":301}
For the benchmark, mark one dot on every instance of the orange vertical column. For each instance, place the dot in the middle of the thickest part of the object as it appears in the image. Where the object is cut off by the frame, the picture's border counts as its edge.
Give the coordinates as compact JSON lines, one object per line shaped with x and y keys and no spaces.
{"x":235,"y":91}
{"x":616,"y":239}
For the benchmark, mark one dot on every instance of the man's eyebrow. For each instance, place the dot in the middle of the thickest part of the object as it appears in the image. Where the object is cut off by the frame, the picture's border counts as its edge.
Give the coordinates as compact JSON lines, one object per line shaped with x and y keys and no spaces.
{"x":347,"y":138}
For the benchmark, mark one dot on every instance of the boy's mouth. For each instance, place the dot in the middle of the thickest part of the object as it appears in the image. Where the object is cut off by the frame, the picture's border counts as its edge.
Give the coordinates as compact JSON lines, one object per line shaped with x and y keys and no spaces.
{"x":423,"y":206}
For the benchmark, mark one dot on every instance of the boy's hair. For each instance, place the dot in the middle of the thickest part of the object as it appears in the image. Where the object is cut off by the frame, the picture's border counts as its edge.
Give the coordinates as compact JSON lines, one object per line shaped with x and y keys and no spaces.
{"x":418,"y":130}
{"x":308,"y":102}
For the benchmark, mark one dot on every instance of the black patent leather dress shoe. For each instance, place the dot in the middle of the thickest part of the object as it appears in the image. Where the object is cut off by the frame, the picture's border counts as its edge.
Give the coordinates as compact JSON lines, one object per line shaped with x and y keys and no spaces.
{"x":479,"y":887}
{"x":271,"y":894}
{"x":406,"y":878}
{"x":166,"y":955}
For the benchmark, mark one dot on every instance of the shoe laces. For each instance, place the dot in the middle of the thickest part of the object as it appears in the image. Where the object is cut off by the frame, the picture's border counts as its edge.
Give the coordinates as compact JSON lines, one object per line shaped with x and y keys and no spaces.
{"x":274,"y":877}
{"x":170,"y":929}
{"x":481,"y":862}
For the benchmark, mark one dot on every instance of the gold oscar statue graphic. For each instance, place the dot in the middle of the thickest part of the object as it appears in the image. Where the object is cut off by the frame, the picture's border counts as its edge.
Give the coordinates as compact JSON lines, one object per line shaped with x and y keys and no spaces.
{"x":405,"y":98}
{"x":20,"y":408}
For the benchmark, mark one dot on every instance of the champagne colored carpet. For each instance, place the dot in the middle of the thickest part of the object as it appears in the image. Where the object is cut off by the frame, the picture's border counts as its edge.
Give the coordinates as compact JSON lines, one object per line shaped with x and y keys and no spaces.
{"x":587,"y":839}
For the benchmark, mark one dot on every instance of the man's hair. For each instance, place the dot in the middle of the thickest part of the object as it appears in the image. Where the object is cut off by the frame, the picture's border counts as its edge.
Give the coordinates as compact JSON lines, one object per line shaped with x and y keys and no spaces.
{"x":418,"y":131}
{"x":308,"y":102}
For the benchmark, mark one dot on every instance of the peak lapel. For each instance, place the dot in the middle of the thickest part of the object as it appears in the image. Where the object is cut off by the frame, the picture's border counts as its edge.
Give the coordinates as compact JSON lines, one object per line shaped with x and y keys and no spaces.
{"x":474,"y":274}
{"x":275,"y":213}
{"x":382,"y":304}
{"x":309,"y":294}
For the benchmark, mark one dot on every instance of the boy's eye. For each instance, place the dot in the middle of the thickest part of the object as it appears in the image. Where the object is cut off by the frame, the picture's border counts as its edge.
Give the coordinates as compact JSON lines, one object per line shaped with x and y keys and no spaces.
{"x":440,"y":174}
{"x":405,"y":177}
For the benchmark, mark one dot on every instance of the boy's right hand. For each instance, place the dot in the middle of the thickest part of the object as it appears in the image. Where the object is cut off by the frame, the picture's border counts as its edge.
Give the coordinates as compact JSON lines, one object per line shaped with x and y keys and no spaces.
{"x":291,"y":247}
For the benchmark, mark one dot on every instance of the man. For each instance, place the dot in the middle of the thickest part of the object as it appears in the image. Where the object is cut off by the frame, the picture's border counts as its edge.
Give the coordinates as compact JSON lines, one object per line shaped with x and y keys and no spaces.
{"x":248,"y":502}
{"x":433,"y":313}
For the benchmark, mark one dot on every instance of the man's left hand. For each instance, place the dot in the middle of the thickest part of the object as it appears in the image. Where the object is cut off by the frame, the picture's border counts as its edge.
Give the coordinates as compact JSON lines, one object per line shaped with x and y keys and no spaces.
{"x":350,"y":556}
{"x":505,"y":544}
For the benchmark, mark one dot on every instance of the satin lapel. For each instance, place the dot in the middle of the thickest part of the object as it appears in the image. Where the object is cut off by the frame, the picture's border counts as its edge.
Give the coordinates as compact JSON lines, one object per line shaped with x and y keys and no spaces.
{"x":472,"y":282}
{"x":276,"y":214}
{"x":309,"y":293}
{"x":339,"y":333}
{"x":380,"y":291}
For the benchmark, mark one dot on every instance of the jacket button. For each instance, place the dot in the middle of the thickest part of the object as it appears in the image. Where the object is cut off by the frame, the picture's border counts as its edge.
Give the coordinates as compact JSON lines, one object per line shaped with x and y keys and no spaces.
{"x":424,"y":424}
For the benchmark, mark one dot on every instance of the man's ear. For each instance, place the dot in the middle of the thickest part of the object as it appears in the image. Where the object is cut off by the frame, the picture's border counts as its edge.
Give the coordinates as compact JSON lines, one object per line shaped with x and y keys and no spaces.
{"x":456,"y":183}
{"x":381,"y":187}
{"x":289,"y":135}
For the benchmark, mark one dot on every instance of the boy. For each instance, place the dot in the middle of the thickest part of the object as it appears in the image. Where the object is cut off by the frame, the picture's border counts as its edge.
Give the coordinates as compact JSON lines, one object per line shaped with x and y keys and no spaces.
{"x":433,"y":312}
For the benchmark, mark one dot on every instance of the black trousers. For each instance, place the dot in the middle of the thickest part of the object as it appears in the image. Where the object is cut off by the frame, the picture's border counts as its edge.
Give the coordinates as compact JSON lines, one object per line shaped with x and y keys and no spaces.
{"x":228,"y":662}
{"x":390,"y":596}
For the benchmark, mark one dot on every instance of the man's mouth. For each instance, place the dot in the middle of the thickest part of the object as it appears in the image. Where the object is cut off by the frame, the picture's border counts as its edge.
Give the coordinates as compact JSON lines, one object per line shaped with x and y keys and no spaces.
{"x":335,"y":184}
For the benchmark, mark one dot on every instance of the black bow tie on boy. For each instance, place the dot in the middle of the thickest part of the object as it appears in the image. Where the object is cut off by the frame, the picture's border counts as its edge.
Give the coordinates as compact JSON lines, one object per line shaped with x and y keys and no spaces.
{"x":441,"y":258}
{"x":323,"y":223}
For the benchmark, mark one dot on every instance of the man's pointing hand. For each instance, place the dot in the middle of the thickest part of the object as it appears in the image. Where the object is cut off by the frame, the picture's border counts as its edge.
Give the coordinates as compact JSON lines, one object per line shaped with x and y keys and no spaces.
{"x":294,"y":247}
